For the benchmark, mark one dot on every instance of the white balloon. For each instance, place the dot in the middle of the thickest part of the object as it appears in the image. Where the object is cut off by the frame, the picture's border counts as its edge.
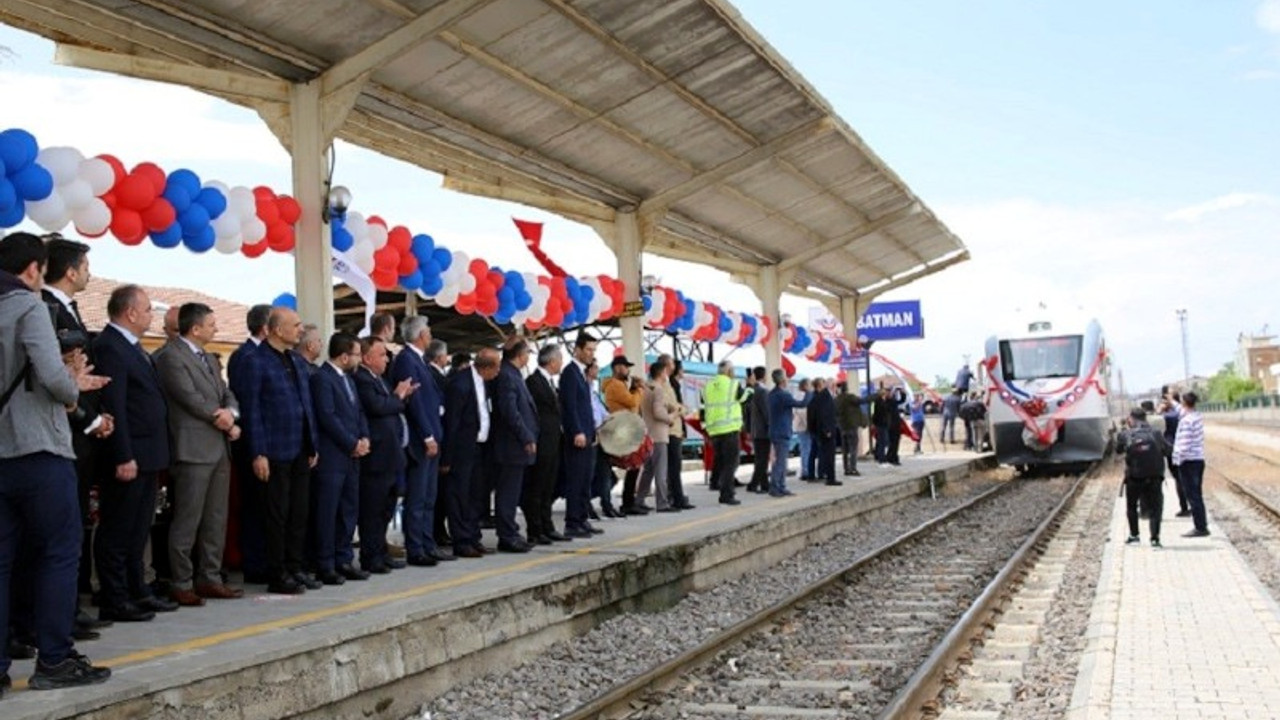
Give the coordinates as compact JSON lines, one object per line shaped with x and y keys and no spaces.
{"x":447,"y":297}
{"x":229,"y":244}
{"x":253,"y":230}
{"x":92,"y":219}
{"x":76,"y":194}
{"x":50,"y":213}
{"x":377,"y":235}
{"x":98,"y":173}
{"x":241,"y":200}
{"x":217,"y":185}
{"x":63,"y":163}
{"x":365,"y":262}
{"x":467,"y":283}
{"x":227,"y":225}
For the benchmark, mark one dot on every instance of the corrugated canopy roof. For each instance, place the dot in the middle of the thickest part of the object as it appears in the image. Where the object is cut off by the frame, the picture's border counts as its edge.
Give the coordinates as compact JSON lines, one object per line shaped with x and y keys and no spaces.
{"x":675,"y":108}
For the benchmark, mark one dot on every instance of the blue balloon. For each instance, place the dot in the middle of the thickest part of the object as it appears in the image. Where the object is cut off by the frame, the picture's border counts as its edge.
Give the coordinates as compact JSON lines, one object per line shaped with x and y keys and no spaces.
{"x":18,"y":149}
{"x":412,"y":281}
{"x":213,"y":200}
{"x":515,"y":281}
{"x":506,"y":296}
{"x":523,"y":300}
{"x":33,"y":182}
{"x":185,"y":179}
{"x":14,"y":214}
{"x":170,"y":237}
{"x":179,"y":198}
{"x":194,"y":220}
{"x":342,"y":238}
{"x":432,"y":285}
{"x":285,"y":300}
{"x":725,"y":323}
{"x":442,"y":257}
{"x":423,"y":247}
{"x":203,"y":242}
{"x":647,"y":300}
{"x":430,"y":268}
{"x":8,"y":195}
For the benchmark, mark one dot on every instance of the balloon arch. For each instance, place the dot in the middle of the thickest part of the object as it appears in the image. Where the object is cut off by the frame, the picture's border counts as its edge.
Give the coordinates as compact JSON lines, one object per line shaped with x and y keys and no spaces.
{"x":57,"y":187}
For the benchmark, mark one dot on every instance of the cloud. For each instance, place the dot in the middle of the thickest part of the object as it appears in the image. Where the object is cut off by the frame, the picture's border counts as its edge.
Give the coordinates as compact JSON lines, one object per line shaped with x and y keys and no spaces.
{"x":1260,"y":75}
{"x":1232,"y":201}
{"x":1269,"y":16}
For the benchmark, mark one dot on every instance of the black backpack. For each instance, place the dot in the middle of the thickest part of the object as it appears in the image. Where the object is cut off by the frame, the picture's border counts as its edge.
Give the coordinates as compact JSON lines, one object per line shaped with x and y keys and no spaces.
{"x":1143,"y":455}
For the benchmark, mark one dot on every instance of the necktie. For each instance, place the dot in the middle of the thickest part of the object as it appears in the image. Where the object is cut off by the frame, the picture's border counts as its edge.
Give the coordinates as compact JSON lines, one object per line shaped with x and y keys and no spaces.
{"x":351,"y":392}
{"x":204,"y":360}
{"x":75,"y":310}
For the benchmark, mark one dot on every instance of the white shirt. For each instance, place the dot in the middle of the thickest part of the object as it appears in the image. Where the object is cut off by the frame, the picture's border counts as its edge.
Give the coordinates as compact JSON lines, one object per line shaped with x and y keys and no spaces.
{"x":194,"y":347}
{"x":554,"y":380}
{"x":62,"y":298}
{"x":581,"y":367}
{"x":482,"y":405}
{"x":133,"y":339}
{"x":420,"y":353}
{"x":256,"y":341}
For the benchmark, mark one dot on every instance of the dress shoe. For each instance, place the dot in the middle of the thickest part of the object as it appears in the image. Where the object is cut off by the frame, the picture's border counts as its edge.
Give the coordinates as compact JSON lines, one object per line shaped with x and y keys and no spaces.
{"x":422,"y":561}
{"x":352,"y":573}
{"x":127,"y":612}
{"x":377,"y":568}
{"x":634,"y":510}
{"x":83,"y":633}
{"x":468,"y":552}
{"x":396,"y":563}
{"x":592,"y":514}
{"x":833,"y":482}
{"x":668,"y":509}
{"x":396,"y":551}
{"x":286,"y":586}
{"x":485,"y":549}
{"x":515,"y":546}
{"x":1196,"y":534}
{"x":307,"y":581}
{"x":686,"y":506}
{"x":577,"y":532}
{"x":1183,"y":513}
{"x":557,"y":537}
{"x":330,"y":577}
{"x":610,"y":512}
{"x":540,"y":540}
{"x":186,"y":598}
{"x":441,"y":555}
{"x":219,"y":592}
{"x":731,"y":501}
{"x":156,"y":604}
{"x":592,"y":529}
{"x":86,"y":620}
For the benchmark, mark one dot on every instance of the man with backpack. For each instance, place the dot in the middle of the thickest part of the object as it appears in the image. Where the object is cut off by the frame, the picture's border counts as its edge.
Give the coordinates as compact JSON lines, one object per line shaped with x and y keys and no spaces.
{"x":1144,"y":451}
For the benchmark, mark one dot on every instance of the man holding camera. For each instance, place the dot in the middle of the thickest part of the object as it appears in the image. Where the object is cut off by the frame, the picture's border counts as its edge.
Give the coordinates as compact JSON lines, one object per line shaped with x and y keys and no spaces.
{"x":37,"y":472}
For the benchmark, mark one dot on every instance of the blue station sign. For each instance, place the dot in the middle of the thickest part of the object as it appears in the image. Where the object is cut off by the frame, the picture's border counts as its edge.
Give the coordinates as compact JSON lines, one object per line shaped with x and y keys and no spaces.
{"x":899,"y":320}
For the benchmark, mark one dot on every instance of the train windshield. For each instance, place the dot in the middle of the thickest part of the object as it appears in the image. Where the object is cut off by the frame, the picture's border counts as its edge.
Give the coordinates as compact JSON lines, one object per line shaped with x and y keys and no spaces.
{"x":1040,"y":357}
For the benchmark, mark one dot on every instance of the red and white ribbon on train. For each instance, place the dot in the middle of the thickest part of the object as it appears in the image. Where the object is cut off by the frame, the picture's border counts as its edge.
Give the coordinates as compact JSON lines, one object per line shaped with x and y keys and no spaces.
{"x":1031,"y":407}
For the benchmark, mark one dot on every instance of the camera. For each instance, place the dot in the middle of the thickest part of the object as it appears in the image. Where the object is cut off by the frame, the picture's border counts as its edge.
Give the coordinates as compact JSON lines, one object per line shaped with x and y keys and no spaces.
{"x":72,"y":340}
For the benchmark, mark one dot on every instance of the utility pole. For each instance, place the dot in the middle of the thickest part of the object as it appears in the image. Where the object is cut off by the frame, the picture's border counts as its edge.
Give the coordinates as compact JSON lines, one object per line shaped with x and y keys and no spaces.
{"x":1186,"y":353}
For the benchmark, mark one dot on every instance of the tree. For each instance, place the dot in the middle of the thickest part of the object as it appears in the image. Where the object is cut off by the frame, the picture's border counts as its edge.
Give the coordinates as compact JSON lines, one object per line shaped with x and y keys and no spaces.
{"x":942,"y":384}
{"x":1228,"y":387}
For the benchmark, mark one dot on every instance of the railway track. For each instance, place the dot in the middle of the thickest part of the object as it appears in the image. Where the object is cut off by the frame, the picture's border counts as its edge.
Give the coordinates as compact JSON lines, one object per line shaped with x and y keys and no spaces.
{"x":1269,"y":505}
{"x":871,"y":640}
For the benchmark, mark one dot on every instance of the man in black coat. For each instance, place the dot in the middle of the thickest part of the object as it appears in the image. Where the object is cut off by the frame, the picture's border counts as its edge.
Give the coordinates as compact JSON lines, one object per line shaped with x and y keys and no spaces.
{"x":823,"y":428}
{"x":514,"y":443}
{"x":540,"y":483}
{"x":131,"y":461}
{"x":468,"y":428}
{"x":388,"y":434}
{"x":758,"y":419}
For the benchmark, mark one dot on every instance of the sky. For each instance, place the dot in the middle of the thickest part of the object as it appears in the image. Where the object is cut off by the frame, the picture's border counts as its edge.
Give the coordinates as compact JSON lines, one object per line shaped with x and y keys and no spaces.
{"x":1116,"y":159}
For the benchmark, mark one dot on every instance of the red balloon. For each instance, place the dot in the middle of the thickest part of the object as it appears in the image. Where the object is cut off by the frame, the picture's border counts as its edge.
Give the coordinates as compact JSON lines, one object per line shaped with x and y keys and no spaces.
{"x":488,"y":306}
{"x":485,"y":289}
{"x":400,"y":238}
{"x":408,"y":263}
{"x":497,"y":279}
{"x":262,"y":193}
{"x":152,"y":174}
{"x":135,"y":192}
{"x":268,"y":212}
{"x":159,"y":216}
{"x":253,"y":250}
{"x":127,"y":226}
{"x":388,"y":258}
{"x":479,"y":268}
{"x":385,"y":279}
{"x":110,"y":200}
{"x":376,"y":220}
{"x":117,"y":167}
{"x":289,"y":208}
{"x":466,"y":304}
{"x":280,"y":236}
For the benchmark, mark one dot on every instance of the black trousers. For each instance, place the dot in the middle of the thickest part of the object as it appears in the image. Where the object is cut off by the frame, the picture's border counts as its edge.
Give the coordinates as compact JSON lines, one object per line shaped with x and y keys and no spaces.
{"x":760,"y":467}
{"x":629,"y":487}
{"x":285,"y":502}
{"x":465,"y":498}
{"x":824,"y":449}
{"x":507,"y":483}
{"x":895,"y":440}
{"x":724,"y":472}
{"x":126,"y":510}
{"x":675,"y":466}
{"x":540,"y":487}
{"x":373,"y":516}
{"x":1149,"y":492}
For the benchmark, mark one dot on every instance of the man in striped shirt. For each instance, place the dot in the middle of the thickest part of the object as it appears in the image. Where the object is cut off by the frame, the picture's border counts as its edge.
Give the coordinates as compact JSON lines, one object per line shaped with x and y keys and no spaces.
{"x":1188,"y":457}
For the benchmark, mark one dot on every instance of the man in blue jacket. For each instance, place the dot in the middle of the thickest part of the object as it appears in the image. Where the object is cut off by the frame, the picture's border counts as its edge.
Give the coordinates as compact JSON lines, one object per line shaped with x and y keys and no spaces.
{"x":781,"y":405}
{"x":515,"y":443}
{"x":579,"y":438}
{"x":280,"y":431}
{"x":388,"y":434}
{"x":424,"y":410}
{"x":344,"y":439}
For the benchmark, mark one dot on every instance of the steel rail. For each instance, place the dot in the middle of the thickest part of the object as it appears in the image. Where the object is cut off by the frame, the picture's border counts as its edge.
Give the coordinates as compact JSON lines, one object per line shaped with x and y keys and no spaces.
{"x":617,"y":701}
{"x":924,"y":685}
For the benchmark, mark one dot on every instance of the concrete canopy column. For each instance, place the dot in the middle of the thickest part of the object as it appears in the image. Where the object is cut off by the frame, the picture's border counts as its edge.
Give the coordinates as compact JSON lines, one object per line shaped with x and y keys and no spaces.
{"x":312,"y":253}
{"x":849,"y":314}
{"x":769,"y":290}
{"x":628,"y":243}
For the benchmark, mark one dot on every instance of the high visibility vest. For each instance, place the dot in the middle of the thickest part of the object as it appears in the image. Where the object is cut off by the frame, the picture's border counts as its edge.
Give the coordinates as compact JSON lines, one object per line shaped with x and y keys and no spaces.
{"x":721,"y":412}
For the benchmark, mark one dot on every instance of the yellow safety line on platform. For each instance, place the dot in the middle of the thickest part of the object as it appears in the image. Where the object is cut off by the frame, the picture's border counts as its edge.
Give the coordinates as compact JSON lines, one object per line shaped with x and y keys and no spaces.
{"x":293,"y":620}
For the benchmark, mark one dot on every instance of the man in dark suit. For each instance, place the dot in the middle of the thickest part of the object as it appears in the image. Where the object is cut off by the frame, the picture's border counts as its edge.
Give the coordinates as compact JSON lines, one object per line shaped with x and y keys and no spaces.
{"x":465,"y":454}
{"x":388,"y":434}
{"x":579,"y":438}
{"x":514,"y":443}
{"x":344,"y":440}
{"x":280,"y":430}
{"x":757,"y":412}
{"x":540,"y":483}
{"x":132,"y":459}
{"x":202,"y":420}
{"x":424,"y":411}
{"x":67,"y":275}
{"x":249,"y":524}
{"x":823,"y":428}
{"x":437,"y":357}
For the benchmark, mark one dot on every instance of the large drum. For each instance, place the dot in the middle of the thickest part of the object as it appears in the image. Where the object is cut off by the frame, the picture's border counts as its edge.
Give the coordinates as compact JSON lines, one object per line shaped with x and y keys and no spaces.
{"x":624,"y":439}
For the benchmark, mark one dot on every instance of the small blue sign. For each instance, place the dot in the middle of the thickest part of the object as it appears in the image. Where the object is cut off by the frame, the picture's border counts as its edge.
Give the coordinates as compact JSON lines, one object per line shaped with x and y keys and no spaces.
{"x":855,"y":361}
{"x":899,"y":320}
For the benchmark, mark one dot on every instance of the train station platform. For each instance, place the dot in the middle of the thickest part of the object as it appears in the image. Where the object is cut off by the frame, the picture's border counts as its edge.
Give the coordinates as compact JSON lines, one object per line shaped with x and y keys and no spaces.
{"x":378,"y":649}
{"x":1185,"y":631}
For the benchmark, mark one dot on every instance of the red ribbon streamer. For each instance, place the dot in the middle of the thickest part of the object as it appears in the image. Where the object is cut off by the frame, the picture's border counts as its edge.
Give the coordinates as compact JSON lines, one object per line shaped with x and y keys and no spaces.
{"x":532,"y":234}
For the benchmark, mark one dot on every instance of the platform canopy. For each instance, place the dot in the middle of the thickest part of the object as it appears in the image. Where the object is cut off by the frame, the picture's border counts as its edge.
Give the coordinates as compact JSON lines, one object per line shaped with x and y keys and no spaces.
{"x":676,"y":110}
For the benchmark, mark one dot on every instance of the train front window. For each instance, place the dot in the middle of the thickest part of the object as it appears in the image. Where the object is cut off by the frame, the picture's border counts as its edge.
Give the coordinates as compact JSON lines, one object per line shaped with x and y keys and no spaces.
{"x":1040,"y":357}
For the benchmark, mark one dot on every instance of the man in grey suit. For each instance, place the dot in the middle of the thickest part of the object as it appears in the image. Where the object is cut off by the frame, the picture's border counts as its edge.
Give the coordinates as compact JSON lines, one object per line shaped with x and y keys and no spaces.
{"x":202,"y":421}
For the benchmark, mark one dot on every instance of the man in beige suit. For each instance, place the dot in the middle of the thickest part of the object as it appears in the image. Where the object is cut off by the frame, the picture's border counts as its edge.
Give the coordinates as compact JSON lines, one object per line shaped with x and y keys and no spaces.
{"x":202,"y":420}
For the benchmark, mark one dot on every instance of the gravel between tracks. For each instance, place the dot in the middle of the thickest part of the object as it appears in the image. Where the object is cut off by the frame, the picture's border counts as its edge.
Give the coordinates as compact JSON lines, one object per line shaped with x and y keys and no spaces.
{"x":1253,"y":531}
{"x":572,"y":672}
